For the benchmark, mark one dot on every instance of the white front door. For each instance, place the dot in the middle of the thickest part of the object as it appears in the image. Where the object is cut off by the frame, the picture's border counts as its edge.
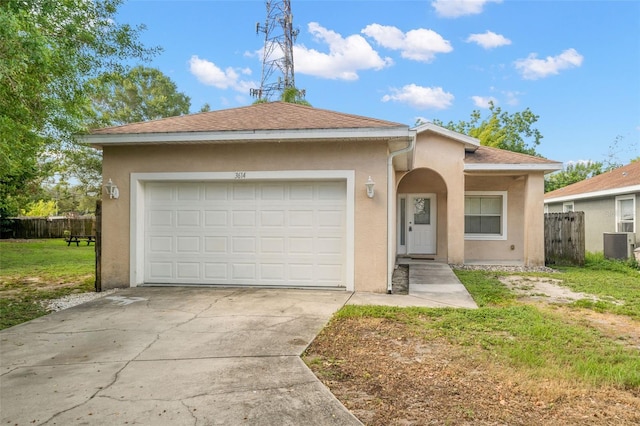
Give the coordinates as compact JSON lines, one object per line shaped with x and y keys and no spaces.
{"x":421,"y":222}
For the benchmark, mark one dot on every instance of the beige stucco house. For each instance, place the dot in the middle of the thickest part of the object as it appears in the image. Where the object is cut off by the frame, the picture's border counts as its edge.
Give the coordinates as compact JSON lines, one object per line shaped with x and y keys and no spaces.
{"x":280,"y":194}
{"x":610,"y":202}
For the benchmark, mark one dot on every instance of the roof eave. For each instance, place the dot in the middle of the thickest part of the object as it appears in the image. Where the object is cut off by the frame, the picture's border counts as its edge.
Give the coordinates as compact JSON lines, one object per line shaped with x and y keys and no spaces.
{"x":595,"y":194}
{"x":486,"y":167}
{"x":470,"y":143}
{"x":100,"y":140}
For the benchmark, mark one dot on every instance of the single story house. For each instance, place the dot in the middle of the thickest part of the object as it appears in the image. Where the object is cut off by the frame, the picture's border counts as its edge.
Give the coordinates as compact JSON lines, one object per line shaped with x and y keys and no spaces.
{"x":280,"y":194}
{"x":610,"y":202}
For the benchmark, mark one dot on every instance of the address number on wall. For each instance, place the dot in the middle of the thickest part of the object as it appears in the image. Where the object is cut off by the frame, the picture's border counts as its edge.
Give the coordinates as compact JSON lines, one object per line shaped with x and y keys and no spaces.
{"x":241,"y":175}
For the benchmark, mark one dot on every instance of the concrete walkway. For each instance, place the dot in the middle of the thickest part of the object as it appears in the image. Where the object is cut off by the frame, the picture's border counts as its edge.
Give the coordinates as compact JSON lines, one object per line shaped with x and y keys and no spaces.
{"x":171,"y":356}
{"x":431,"y":285}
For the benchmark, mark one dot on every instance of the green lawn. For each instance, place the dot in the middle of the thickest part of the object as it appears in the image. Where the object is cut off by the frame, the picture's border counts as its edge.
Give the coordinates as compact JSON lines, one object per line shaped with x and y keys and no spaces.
{"x":35,"y":270}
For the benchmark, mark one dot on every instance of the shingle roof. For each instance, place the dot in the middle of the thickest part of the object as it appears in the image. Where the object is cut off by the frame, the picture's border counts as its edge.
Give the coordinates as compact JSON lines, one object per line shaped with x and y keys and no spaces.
{"x":264,"y":116}
{"x":621,"y":177}
{"x":490,"y":155}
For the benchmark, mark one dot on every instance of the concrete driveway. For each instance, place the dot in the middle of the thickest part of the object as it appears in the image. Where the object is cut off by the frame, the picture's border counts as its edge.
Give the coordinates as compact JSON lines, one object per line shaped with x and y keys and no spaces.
{"x":174,"y":356}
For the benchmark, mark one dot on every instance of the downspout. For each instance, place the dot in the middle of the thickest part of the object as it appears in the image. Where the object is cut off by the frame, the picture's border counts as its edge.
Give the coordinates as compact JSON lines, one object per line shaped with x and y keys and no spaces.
{"x":390,"y":204}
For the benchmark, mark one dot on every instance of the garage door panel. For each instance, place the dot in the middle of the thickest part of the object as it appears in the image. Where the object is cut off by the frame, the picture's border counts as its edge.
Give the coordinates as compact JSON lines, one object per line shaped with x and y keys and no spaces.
{"x":188,"y":270}
{"x":273,"y":271}
{"x":216,"y":191}
{"x":301,"y":218}
{"x":272,"y":245}
{"x":188,"y":218}
{"x":243,"y":271}
{"x":160,"y":270}
{"x":301,"y":245}
{"x":248,"y":233}
{"x":160,"y":244}
{"x":301,"y":192}
{"x":216,"y":272}
{"x":187,"y":245}
{"x":215,"y":245}
{"x":244,"y":191}
{"x":188,"y":192}
{"x":161,"y":218}
{"x":160,"y":192}
{"x":213,"y":218}
{"x":243,"y":245}
{"x":243,"y":218}
{"x":272,"y":192}
{"x":275,"y":218}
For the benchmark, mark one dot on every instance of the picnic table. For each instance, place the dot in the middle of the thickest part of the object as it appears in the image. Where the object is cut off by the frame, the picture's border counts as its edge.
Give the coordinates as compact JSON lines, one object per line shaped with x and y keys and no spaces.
{"x":77,"y":238}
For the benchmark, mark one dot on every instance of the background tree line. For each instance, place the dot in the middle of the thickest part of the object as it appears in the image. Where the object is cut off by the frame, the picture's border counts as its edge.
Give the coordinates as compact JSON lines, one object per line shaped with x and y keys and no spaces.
{"x":67,"y":68}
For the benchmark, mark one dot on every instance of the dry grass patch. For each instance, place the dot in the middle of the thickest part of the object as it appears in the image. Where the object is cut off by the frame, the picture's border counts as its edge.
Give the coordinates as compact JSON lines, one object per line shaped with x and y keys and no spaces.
{"x":389,"y":373}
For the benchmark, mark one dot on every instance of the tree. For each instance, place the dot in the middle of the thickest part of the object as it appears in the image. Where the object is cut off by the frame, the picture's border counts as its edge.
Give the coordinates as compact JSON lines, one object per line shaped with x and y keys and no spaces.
{"x":291,"y":95}
{"x":513,"y":132}
{"x":40,"y":208}
{"x":294,"y":96}
{"x":49,"y":50}
{"x":142,"y":94}
{"x":572,"y":173}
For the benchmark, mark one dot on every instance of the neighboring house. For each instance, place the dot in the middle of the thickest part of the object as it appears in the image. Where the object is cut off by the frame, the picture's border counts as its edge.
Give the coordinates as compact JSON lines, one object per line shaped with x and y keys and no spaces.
{"x":610,"y":202}
{"x":275,"y":194}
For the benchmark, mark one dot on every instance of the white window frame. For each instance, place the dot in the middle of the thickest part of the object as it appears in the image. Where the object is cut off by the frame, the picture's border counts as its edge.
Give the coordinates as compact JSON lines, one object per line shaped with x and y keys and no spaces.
{"x":619,"y":198}
{"x":503,"y":222}
{"x":568,"y":206}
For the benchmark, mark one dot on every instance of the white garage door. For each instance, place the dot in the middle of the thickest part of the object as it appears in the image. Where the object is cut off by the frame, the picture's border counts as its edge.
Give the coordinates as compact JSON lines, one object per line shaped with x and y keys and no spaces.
{"x":246,"y":233}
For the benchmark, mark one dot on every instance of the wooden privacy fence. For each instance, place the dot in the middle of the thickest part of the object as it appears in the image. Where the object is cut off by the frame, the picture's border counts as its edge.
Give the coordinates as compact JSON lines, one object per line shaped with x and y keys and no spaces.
{"x":564,"y":238}
{"x":42,"y":227}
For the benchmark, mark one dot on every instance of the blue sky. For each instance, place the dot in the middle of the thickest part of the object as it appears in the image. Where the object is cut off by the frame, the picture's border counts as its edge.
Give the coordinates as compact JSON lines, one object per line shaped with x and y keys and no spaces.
{"x":576,"y":64}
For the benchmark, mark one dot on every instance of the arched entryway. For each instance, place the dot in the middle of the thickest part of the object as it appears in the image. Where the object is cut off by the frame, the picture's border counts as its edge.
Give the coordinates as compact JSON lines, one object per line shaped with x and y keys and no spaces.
{"x":422,"y":215}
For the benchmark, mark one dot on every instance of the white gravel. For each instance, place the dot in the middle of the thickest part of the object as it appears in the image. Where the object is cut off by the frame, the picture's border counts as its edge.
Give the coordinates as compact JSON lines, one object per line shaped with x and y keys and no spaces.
{"x":504,"y":268}
{"x":65,"y":302}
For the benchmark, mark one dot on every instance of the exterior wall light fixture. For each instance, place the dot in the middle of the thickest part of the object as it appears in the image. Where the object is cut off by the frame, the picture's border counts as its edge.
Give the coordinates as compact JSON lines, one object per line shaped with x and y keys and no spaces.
{"x":112,"y":189}
{"x":370,"y":185}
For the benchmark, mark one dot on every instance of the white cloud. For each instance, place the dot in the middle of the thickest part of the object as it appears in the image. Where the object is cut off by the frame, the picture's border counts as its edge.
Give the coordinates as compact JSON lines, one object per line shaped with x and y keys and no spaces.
{"x":533,"y":68}
{"x":420,"y":97}
{"x":489,"y":40}
{"x":512,"y":97}
{"x":418,"y":45}
{"x":456,"y":8}
{"x":484,"y":101}
{"x":210,"y":74}
{"x":346,"y":56}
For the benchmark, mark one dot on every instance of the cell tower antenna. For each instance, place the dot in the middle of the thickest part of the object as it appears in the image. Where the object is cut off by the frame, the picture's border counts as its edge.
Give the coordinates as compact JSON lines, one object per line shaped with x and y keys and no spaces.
{"x":279,"y":36}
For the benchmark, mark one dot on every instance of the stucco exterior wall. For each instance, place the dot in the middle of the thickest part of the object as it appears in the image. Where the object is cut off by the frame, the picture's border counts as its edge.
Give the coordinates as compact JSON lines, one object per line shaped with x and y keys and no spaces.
{"x":365,"y":158}
{"x":534,"y":220}
{"x":446,"y":158}
{"x":512,"y":249}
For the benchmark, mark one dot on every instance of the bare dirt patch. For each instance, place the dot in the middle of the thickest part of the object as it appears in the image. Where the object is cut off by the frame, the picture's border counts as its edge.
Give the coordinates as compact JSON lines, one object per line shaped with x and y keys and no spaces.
{"x":549,"y":290}
{"x":386,"y":375}
{"x":12,"y":287}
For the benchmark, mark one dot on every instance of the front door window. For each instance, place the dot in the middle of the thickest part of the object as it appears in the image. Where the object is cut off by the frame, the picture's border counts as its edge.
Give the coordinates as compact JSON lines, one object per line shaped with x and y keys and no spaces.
{"x":422,"y":211}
